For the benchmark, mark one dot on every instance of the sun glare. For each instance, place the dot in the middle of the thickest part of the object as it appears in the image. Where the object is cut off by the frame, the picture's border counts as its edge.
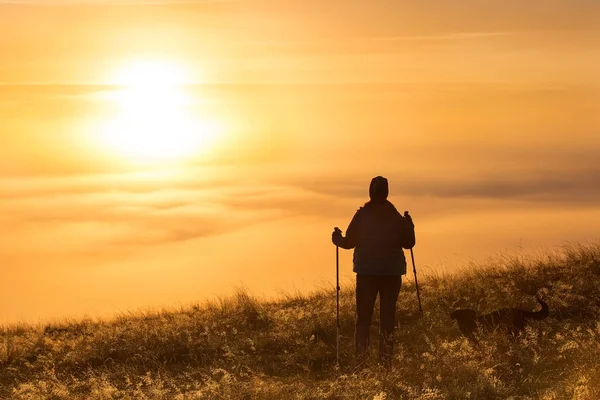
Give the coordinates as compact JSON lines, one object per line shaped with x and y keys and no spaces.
{"x":154,"y":120}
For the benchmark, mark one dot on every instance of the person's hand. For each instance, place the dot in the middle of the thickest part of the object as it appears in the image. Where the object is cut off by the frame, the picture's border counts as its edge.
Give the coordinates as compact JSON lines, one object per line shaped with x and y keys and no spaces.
{"x":408,"y":218}
{"x":336,"y":236}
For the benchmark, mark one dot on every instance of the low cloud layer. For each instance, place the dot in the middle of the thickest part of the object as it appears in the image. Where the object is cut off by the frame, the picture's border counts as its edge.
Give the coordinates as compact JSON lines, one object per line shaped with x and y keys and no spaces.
{"x":123,"y":213}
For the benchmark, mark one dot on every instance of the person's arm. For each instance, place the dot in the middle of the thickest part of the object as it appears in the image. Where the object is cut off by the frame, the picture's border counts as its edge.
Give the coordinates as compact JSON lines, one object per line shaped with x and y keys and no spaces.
{"x":407,"y":232}
{"x":350,"y":241}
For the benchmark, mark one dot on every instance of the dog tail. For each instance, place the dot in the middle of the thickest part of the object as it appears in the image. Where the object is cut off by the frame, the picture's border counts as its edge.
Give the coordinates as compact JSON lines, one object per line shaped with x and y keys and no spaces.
{"x":543,"y":313}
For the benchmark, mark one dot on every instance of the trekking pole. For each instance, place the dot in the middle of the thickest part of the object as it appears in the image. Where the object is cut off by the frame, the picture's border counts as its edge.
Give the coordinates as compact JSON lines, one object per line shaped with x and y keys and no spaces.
{"x":412,"y":257}
{"x":337,"y":290}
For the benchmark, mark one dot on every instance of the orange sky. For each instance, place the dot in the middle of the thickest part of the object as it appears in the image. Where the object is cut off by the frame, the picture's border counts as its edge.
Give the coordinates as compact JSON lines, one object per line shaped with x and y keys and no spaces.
{"x":485,"y":116}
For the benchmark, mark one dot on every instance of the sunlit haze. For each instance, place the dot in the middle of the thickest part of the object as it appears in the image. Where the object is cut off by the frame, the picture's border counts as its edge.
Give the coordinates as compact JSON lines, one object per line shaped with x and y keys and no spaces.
{"x":160,"y":153}
{"x":153,"y":120}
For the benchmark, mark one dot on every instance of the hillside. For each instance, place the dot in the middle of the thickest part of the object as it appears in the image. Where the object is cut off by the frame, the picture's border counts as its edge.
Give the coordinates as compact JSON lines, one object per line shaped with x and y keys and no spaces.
{"x":241,"y":348}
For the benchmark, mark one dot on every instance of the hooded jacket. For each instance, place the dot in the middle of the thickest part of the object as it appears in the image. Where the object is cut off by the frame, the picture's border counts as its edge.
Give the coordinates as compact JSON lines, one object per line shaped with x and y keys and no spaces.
{"x":378,"y":233}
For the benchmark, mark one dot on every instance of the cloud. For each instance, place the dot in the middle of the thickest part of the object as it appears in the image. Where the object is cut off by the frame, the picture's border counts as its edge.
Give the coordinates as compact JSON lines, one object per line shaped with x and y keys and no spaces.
{"x":69,"y":216}
{"x":574,"y":187}
{"x":550,"y":189}
{"x":171,"y":215}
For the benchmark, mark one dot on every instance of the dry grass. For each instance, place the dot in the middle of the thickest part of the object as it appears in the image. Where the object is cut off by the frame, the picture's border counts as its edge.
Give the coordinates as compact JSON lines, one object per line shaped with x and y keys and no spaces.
{"x":241,"y":348}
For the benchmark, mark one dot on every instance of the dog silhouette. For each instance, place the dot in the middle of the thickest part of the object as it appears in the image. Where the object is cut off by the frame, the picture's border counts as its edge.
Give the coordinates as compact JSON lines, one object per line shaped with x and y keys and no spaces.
{"x":510,"y":320}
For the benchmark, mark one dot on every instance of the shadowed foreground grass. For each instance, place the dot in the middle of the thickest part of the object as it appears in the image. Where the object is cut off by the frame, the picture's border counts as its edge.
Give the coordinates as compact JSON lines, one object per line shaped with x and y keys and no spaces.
{"x":241,"y":348}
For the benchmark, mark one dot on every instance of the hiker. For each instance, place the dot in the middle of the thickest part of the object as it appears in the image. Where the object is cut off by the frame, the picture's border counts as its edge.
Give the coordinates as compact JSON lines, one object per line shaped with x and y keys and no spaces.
{"x":378,"y":233}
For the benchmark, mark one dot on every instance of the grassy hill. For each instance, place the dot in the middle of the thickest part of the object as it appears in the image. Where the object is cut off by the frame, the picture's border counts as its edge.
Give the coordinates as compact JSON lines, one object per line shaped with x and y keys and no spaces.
{"x":241,"y":348}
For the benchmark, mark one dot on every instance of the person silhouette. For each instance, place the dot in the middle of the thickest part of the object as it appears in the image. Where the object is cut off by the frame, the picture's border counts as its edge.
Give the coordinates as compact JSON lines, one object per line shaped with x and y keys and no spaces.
{"x":378,"y":233}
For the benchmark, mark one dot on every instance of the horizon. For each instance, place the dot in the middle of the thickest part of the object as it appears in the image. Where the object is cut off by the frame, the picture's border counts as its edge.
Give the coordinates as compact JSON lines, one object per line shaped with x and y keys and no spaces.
{"x":166,"y":153}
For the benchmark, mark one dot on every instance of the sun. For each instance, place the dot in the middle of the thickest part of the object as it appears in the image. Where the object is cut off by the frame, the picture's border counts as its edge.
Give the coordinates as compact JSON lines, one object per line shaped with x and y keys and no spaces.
{"x":154,"y":118}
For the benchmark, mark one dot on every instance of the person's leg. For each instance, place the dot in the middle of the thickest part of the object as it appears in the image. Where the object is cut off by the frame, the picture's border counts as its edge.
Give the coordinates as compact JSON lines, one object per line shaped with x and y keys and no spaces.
{"x":366,"y":294}
{"x":388,"y":296}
